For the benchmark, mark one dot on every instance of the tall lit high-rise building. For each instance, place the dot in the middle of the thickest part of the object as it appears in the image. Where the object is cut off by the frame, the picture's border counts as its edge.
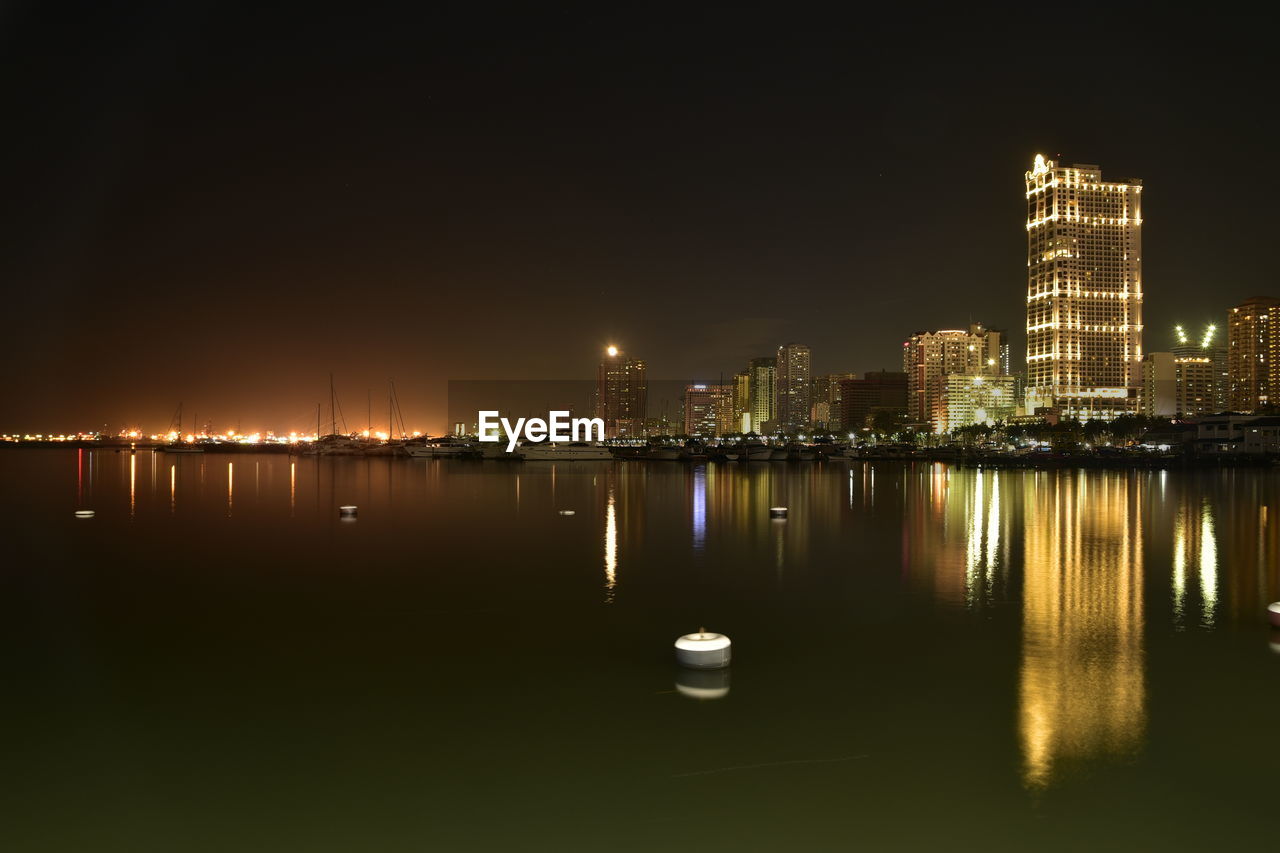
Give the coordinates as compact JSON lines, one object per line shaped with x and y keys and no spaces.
{"x":793,"y":387}
{"x":928,"y":358}
{"x":622,"y":394}
{"x":742,"y":402}
{"x":764,"y":393}
{"x":1084,"y":291}
{"x":1253,"y":353}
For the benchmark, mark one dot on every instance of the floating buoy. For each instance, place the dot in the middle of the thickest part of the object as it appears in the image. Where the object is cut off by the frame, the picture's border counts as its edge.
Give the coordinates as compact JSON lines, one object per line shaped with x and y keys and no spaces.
{"x":84,"y":513}
{"x":703,"y":650}
{"x":777,"y":512}
{"x":703,"y":683}
{"x":566,"y":512}
{"x":1273,"y":613}
{"x":348,"y":511}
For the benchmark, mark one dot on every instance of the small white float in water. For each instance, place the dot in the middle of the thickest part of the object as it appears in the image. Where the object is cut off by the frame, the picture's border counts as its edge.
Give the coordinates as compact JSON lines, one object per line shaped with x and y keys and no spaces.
{"x":566,"y":512}
{"x":348,"y":511}
{"x":703,"y":683}
{"x":777,"y":512}
{"x":84,"y":513}
{"x":1273,"y":613}
{"x":703,"y":650}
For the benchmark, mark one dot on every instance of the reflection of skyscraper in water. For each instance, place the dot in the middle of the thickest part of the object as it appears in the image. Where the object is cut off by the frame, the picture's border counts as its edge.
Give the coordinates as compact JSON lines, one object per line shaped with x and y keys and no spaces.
{"x":956,"y":538}
{"x":1082,"y":691}
{"x":1195,"y":552}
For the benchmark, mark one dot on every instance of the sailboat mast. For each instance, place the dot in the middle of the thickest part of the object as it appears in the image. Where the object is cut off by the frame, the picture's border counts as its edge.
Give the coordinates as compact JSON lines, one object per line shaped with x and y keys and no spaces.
{"x":333,"y":412}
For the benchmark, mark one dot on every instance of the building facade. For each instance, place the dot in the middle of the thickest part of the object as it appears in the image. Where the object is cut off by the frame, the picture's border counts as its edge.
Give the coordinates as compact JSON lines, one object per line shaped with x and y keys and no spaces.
{"x":622,"y":395}
{"x":826,"y":396}
{"x":742,"y":402}
{"x":928,"y":358}
{"x":764,"y":393}
{"x":1159,"y":397}
{"x":1253,"y":354}
{"x":877,"y":391}
{"x":978,"y":398}
{"x":793,"y":387}
{"x":1205,"y":347}
{"x":708,"y":410}
{"x":1084,"y":291}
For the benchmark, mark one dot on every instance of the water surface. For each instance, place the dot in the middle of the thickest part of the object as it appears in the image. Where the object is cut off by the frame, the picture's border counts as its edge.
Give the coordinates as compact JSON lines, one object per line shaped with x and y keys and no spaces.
{"x":923,"y":655}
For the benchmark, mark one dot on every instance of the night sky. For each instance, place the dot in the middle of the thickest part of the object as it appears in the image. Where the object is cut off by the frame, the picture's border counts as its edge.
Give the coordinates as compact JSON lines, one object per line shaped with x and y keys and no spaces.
{"x":220,"y":205}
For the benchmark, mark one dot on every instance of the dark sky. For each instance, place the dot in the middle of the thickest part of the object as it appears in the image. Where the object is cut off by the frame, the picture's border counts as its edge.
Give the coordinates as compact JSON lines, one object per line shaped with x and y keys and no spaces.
{"x":218,"y":204}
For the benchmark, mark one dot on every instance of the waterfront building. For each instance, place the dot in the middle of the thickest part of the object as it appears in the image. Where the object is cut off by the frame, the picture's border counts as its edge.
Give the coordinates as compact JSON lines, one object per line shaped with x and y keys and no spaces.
{"x":708,"y":409}
{"x":764,"y":393}
{"x":1204,"y":347}
{"x":742,"y":402}
{"x":978,"y":398}
{"x":1084,"y":291}
{"x":1253,"y":354}
{"x":928,"y":358}
{"x":793,"y":387}
{"x":1194,"y":386}
{"x":622,"y":393}
{"x":1159,"y":395}
{"x":826,"y":395}
{"x":878,"y":391}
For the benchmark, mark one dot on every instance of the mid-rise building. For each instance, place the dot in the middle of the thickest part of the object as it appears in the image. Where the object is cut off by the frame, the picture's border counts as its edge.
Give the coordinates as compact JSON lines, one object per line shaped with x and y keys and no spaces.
{"x":708,"y":409}
{"x":1194,"y":386}
{"x":764,"y":393}
{"x":979,"y":398}
{"x":1159,"y":396}
{"x":622,"y":394}
{"x":1253,"y":354}
{"x":793,"y":387}
{"x":1205,"y":347}
{"x":877,"y":391}
{"x":826,"y":395}
{"x":1084,"y":291}
{"x":928,"y":358}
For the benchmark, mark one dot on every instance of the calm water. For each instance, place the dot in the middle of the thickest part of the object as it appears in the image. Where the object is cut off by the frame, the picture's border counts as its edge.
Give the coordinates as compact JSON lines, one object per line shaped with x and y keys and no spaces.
{"x":923,"y":655}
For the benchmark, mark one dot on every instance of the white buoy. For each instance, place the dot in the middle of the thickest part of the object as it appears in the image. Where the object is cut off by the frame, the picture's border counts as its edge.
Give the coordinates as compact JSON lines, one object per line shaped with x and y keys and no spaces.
{"x":347,"y":511}
{"x":1273,"y":613}
{"x":777,"y":512}
{"x":703,"y":683}
{"x":84,"y":513}
{"x":703,"y":650}
{"x":566,"y":512}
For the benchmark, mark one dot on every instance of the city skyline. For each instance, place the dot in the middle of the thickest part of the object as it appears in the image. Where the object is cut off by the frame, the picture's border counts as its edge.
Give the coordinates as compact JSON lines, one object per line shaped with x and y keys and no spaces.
{"x":208,"y":209}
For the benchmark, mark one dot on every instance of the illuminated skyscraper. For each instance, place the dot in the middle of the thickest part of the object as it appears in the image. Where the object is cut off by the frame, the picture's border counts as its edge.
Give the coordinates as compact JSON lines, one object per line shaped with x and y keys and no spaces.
{"x":793,"y":387}
{"x":764,"y":393}
{"x":1253,"y":353}
{"x":928,"y":358}
{"x":622,"y":394}
{"x":826,"y":399}
{"x":1084,"y":291}
{"x":742,"y":402}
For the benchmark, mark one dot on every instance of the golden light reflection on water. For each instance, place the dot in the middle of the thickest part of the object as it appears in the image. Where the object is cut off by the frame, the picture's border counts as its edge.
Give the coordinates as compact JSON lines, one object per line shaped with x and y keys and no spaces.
{"x":610,"y":548}
{"x":1195,"y":543}
{"x":1082,"y":692}
{"x":133,"y":484}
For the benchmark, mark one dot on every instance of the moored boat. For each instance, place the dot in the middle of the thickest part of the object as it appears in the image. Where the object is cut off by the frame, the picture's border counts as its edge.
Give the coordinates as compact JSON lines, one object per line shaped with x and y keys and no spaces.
{"x":574,"y":451}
